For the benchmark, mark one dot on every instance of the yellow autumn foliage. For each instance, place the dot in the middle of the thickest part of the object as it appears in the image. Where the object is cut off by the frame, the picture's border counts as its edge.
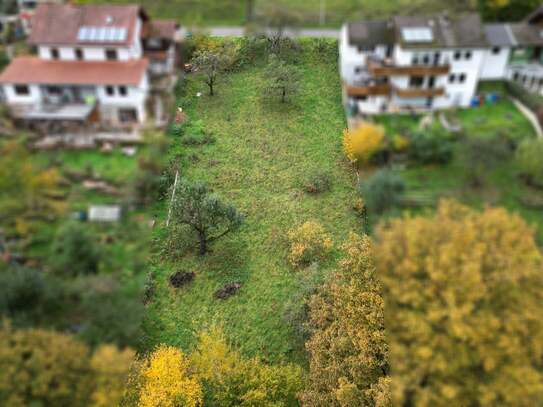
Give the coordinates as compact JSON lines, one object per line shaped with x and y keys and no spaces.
{"x":308,"y":243}
{"x":464,"y":314}
{"x":168,"y":382}
{"x":348,"y":350}
{"x":361,"y":144}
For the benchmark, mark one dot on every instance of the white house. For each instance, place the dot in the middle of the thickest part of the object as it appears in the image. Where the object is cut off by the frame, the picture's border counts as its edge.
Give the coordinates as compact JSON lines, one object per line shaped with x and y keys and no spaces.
{"x":435,"y":62}
{"x":91,"y":64}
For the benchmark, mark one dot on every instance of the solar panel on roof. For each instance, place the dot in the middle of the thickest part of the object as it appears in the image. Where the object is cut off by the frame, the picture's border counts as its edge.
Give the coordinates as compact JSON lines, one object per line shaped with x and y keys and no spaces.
{"x":417,"y":34}
{"x":101,"y":34}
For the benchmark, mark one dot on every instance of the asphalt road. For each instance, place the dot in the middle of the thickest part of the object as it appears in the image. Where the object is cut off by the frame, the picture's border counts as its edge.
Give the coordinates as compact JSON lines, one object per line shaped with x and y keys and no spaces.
{"x":301,"y":33}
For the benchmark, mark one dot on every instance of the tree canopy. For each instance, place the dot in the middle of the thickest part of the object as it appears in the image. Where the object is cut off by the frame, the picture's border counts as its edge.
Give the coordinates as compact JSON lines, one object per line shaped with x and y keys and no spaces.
{"x":348,"y":349}
{"x":464,"y":308}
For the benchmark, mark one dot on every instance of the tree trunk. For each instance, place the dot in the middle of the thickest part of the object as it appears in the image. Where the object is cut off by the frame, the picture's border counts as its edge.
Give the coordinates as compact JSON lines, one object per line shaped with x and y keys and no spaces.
{"x":203,"y":243}
{"x":283,"y":95}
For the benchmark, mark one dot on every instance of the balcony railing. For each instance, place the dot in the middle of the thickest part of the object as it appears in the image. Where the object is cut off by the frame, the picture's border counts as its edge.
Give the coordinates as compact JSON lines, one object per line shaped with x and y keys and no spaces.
{"x":369,"y":89}
{"x":419,"y":92}
{"x":379,"y":67}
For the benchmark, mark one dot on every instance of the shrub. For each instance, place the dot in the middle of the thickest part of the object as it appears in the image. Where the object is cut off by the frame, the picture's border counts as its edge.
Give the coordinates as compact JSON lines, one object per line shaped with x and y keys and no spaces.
{"x":400,"y":143}
{"x":362,"y":143}
{"x":308,"y":243}
{"x":74,"y":251}
{"x":431,"y":147}
{"x":481,"y":154}
{"x":382,"y":191}
{"x":181,"y":278}
{"x":317,"y":183}
{"x":529,"y":158}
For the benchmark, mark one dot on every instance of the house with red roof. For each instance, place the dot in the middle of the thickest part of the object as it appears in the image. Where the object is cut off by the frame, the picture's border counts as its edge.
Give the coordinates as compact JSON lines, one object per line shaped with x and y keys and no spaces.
{"x":93,"y":62}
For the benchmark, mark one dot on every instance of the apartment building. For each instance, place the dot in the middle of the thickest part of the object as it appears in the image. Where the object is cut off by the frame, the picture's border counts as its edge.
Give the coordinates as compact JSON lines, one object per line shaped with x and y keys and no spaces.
{"x":416,"y":63}
{"x":93,"y":63}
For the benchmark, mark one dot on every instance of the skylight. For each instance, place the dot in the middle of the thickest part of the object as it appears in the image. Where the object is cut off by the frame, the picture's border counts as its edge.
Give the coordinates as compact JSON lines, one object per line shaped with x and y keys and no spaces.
{"x":417,"y":34}
{"x":101,"y":34}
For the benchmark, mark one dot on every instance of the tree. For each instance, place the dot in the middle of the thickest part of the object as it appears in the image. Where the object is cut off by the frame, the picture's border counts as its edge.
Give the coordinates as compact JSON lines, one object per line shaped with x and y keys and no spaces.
{"x":481,"y":154}
{"x":167,"y":382}
{"x":29,"y":194}
{"x":195,"y":206}
{"x":210,"y":64}
{"x":45,"y":368}
{"x":110,"y":367}
{"x":506,"y":10}
{"x":382,"y":191}
{"x":430,"y":147}
{"x":276,"y":19}
{"x":74,"y":251}
{"x":362,"y":143}
{"x":464,"y":313}
{"x":249,"y":10}
{"x":348,"y":352}
{"x":229,"y":380}
{"x":281,"y":79}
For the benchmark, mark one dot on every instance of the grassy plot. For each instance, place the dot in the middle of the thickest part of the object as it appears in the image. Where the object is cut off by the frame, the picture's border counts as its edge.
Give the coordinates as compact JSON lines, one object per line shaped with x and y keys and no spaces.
{"x":263,"y":154}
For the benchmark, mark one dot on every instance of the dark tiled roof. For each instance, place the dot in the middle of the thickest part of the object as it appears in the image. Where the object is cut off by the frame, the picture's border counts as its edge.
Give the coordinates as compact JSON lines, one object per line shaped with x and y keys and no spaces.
{"x":370,"y":33}
{"x":58,"y":24}
{"x":159,"y":29}
{"x":39,"y":71}
{"x":526,"y":34}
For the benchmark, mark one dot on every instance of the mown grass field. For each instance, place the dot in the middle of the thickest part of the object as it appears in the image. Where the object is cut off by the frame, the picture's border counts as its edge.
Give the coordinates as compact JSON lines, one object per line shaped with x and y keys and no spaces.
{"x":232,"y":12}
{"x":263,"y":154}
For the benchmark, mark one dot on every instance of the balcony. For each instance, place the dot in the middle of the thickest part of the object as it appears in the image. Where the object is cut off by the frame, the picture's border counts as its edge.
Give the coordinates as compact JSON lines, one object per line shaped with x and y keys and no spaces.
{"x":69,"y":111}
{"x":369,"y":89}
{"x":387,"y":68}
{"x":418,"y":92}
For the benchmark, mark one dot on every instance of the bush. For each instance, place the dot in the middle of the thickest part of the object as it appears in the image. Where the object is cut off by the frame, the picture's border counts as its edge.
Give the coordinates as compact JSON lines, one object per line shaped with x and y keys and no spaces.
{"x":399,"y":143}
{"x":382,"y":191}
{"x":481,"y":154}
{"x":26,"y":295}
{"x":74,"y":251}
{"x":529,"y":158}
{"x":431,"y":147}
{"x":363,"y":143}
{"x":317,"y":183}
{"x":308,"y":243}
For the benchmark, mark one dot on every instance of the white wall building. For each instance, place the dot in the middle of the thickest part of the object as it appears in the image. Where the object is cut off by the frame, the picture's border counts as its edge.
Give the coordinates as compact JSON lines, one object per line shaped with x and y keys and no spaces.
{"x":91,"y":64}
{"x":424,"y":63}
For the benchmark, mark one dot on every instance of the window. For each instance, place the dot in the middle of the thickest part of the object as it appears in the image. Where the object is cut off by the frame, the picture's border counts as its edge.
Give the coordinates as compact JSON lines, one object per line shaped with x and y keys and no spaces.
{"x":122,"y":90}
{"x":540,"y":81}
{"x":462,"y":78}
{"x":54,"y":90}
{"x":452,"y":78}
{"x":467,"y":55}
{"x":54,"y":53}
{"x":496,"y":50}
{"x":416,"y":81}
{"x":110,"y":91}
{"x":357,"y":70}
{"x":360,"y":48}
{"x":516,"y":76}
{"x":362,"y":98}
{"x":128,"y":115}
{"x":415,"y":60}
{"x":111,"y":54}
{"x":457,"y":55}
{"x":426,"y":60}
{"x":78,"y":54}
{"x":22,"y":90}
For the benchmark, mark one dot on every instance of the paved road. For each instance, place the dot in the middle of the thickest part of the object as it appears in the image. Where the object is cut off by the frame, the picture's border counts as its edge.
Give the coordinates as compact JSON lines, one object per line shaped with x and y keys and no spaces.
{"x":305,"y":32}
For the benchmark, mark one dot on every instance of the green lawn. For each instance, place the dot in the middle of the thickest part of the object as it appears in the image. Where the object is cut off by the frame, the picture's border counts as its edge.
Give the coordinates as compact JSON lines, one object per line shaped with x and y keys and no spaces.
{"x":232,"y":12}
{"x":263,"y":153}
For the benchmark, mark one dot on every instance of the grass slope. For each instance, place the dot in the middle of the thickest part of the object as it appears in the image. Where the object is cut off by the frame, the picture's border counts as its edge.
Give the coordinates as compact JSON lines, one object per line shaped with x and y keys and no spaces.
{"x":263,"y":154}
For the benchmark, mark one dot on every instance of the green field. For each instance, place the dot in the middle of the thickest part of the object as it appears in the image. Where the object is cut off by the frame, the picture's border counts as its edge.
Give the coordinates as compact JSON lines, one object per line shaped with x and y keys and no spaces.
{"x":232,"y":12}
{"x":263,"y":154}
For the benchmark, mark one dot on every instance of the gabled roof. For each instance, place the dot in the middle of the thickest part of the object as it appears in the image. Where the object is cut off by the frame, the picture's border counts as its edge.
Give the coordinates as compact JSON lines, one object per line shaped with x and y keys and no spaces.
{"x":464,"y":31}
{"x":526,"y":34}
{"x":33,"y":70}
{"x":370,"y":33}
{"x":59,"y":24}
{"x":159,"y":29}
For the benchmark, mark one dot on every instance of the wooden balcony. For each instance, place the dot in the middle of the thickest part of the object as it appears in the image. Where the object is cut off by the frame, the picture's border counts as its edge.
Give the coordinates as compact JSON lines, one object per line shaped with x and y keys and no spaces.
{"x":382,"y":89}
{"x":379,"y":69}
{"x":418,"y":92}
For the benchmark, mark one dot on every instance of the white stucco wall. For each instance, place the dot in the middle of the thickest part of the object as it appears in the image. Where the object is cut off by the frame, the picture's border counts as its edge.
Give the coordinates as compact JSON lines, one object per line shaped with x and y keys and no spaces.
{"x":494,"y":65}
{"x":34,"y":96}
